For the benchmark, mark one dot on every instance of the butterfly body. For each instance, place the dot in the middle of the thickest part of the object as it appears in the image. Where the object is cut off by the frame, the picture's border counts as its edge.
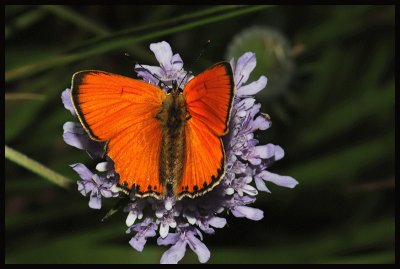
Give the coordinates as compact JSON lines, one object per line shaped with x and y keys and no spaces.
{"x":162,"y":144}
{"x":172,"y":117}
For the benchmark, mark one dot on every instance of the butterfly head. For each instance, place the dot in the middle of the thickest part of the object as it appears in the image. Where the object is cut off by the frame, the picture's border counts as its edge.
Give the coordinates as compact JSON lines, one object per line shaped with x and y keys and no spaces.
{"x":175,"y":89}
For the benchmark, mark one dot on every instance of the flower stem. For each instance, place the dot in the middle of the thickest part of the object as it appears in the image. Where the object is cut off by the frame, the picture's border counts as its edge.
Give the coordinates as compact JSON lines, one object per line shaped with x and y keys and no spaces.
{"x":36,"y":167}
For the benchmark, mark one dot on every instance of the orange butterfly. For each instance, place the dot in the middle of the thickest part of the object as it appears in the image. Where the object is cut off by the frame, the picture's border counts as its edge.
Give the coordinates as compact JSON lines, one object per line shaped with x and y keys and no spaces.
{"x":162,"y":144}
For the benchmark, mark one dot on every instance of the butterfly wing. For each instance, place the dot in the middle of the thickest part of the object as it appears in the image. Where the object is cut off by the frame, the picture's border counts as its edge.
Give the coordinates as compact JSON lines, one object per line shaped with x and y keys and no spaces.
{"x":209,"y":97}
{"x":123,"y":112}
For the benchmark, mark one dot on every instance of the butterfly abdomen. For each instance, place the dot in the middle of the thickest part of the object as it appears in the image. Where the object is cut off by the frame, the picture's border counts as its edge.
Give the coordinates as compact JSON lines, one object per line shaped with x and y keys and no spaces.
{"x":173,"y":119}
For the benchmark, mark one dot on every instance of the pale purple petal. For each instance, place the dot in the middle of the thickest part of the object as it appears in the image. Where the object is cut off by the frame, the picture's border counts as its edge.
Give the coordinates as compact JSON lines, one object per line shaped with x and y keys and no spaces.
{"x":245,"y":65}
{"x":199,"y":234}
{"x":217,"y":222}
{"x":163,"y":52}
{"x":81,"y":187}
{"x":174,"y":254}
{"x":74,"y":135}
{"x":248,"y":212}
{"x":66,"y":99}
{"x":177,"y":62}
{"x":164,"y":229}
{"x":149,"y":73}
{"x":170,"y":239}
{"x":283,"y":181}
{"x":73,"y":132}
{"x":130,"y":220}
{"x":265,"y":151}
{"x":245,"y":104}
{"x":279,"y":153}
{"x":138,"y":242}
{"x":145,"y":229}
{"x":82,"y":171}
{"x":104,"y":166}
{"x":106,"y":192}
{"x":253,"y":87}
{"x":254,"y":161}
{"x":95,"y":200}
{"x":261,"y":185}
{"x":261,"y":123}
{"x":249,"y":190}
{"x":247,"y":199}
{"x":199,"y":248}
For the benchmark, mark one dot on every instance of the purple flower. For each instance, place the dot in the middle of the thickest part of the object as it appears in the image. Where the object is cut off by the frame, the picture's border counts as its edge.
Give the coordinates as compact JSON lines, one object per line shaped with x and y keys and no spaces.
{"x":186,"y":236}
{"x":74,"y":133}
{"x":181,"y":223}
{"x":145,"y":229}
{"x":96,"y":185}
{"x":170,"y":68}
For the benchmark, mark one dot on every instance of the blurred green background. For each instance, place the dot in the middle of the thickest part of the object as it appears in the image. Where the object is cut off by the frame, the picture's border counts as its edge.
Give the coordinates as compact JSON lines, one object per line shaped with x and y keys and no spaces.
{"x":330,"y":96}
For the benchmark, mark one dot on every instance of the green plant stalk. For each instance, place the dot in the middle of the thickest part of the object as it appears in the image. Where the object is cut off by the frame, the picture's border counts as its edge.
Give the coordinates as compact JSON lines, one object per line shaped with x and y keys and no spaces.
{"x":147,"y":27}
{"x":79,"y":20}
{"x":24,"y":96}
{"x":116,"y":43}
{"x":36,"y":167}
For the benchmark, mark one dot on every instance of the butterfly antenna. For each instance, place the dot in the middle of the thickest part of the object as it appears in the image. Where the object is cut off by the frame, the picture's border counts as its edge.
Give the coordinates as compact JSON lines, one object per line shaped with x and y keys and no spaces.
{"x":240,"y":80}
{"x":205,"y":46}
{"x":187,"y":73}
{"x":144,"y":69}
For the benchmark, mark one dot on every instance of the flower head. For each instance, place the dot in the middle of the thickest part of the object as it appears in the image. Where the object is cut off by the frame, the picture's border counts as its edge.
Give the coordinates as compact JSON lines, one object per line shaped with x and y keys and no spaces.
{"x":181,"y":223}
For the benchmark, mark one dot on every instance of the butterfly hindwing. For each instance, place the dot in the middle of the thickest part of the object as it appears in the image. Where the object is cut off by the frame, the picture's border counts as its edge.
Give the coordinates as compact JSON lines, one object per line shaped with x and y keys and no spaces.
{"x":209,"y":98}
{"x":123,"y":112}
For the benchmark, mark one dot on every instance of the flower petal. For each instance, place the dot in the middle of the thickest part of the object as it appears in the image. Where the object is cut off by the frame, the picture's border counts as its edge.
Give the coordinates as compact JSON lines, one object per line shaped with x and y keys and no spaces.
{"x":261,"y":123}
{"x":217,"y":222}
{"x":283,"y":181}
{"x":168,"y":204}
{"x":138,"y":242}
{"x":261,"y":185}
{"x":103,"y":166}
{"x":74,"y":135}
{"x":130,"y":220}
{"x":149,"y":73}
{"x":95,"y":200}
{"x":250,"y":190}
{"x":245,"y":65}
{"x":249,"y":212}
{"x":177,"y":62}
{"x":82,"y":171}
{"x":199,"y":248}
{"x":265,"y":151}
{"x":253,"y":87}
{"x":170,"y":239}
{"x":164,"y":229}
{"x":66,"y":99}
{"x":174,"y":254}
{"x":163,"y":52}
{"x":254,"y":161}
{"x":81,"y":187}
{"x":279,"y":153}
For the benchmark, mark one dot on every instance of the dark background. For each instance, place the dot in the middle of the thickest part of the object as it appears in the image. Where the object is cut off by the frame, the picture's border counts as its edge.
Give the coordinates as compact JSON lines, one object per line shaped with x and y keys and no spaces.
{"x":330,"y":96}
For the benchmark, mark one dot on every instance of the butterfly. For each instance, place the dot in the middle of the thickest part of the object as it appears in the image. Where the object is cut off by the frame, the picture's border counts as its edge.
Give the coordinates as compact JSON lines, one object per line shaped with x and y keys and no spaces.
{"x":162,"y":143}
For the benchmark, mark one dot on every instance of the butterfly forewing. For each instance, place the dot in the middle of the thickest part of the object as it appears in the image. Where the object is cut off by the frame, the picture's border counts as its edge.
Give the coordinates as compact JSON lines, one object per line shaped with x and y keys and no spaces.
{"x":209,"y":98}
{"x":123,"y":112}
